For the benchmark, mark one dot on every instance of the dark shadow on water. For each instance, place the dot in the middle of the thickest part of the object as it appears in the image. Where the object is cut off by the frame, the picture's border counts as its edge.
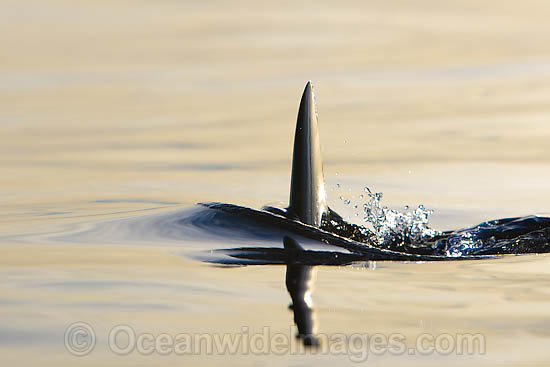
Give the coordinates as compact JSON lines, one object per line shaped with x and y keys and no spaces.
{"x":299,"y":279}
{"x":299,"y":283}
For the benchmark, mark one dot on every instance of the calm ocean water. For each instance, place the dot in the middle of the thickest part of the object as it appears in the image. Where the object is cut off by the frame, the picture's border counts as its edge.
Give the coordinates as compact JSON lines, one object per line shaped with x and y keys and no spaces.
{"x":115,"y":116}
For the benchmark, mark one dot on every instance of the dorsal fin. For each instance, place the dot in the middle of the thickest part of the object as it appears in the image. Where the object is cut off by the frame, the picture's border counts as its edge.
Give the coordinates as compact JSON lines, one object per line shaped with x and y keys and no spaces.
{"x":307,"y":188}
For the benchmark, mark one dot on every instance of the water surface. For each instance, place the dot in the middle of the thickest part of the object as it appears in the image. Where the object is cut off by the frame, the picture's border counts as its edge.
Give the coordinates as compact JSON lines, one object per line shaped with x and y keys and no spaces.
{"x":123,"y":113}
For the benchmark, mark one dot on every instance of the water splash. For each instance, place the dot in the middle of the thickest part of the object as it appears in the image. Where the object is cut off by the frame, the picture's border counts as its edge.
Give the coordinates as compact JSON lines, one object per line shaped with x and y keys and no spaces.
{"x":464,"y":243}
{"x":393,"y":227}
{"x":409,"y":231}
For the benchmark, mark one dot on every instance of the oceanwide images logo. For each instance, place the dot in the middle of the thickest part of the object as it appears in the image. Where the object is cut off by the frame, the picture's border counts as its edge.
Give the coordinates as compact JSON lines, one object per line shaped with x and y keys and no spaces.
{"x":79,"y":339}
{"x":122,"y":340}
